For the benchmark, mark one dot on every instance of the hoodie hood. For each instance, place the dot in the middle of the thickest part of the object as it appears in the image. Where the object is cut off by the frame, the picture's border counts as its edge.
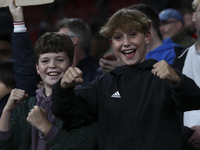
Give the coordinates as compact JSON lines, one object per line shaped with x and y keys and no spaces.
{"x":125,"y":69}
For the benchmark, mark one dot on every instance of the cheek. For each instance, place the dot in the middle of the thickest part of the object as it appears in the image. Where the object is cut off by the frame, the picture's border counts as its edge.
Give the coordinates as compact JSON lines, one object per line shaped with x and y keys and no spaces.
{"x":65,"y":67}
{"x":40,"y":69}
{"x":116,"y":45}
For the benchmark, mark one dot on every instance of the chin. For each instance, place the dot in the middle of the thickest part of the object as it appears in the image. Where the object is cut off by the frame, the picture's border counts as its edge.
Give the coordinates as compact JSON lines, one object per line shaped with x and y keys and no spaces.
{"x":130,"y":63}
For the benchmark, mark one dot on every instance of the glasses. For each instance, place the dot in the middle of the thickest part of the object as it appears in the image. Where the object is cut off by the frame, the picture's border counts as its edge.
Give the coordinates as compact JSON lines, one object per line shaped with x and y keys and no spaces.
{"x":163,"y":23}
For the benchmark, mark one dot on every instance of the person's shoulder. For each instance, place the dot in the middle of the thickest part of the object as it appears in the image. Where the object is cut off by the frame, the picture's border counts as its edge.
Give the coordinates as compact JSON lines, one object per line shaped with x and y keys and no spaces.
{"x":180,"y":51}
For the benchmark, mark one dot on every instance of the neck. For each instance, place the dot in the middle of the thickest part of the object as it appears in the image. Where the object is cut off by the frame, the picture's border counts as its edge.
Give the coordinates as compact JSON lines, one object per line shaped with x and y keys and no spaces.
{"x":48,"y":91}
{"x":155,"y":40}
{"x":197,"y":45}
{"x":154,"y":44}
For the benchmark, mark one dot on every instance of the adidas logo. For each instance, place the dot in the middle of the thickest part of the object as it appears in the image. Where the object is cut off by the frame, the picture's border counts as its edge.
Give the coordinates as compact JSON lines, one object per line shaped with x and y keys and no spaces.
{"x":116,"y":95}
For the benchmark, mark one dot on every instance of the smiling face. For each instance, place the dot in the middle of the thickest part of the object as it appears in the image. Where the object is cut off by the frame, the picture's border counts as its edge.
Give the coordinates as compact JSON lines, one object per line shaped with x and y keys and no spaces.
{"x":51,"y":67}
{"x":129,"y":47}
{"x":5,"y":50}
{"x":170,"y":27}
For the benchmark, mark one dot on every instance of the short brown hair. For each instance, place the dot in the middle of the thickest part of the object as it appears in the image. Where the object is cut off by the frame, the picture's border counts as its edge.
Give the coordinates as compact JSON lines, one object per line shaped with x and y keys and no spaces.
{"x":126,"y":19}
{"x":54,"y":42}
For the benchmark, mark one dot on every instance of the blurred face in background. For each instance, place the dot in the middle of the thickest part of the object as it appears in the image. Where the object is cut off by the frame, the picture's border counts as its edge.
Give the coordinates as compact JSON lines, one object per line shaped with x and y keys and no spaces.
{"x":188,"y":22}
{"x":170,"y":27}
{"x":5,"y":50}
{"x":196,"y":19}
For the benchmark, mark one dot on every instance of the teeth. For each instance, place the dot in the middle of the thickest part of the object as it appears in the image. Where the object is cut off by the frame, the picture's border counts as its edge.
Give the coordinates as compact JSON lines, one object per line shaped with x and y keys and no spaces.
{"x":129,"y":51}
{"x":53,"y":73}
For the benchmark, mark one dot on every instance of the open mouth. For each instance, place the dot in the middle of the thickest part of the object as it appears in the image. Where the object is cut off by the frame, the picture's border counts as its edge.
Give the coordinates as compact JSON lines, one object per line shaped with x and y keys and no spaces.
{"x":53,"y":73}
{"x":129,"y":53}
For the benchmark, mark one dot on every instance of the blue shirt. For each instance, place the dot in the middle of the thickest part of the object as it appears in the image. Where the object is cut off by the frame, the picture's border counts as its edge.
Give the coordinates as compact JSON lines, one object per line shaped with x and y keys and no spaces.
{"x":164,"y":51}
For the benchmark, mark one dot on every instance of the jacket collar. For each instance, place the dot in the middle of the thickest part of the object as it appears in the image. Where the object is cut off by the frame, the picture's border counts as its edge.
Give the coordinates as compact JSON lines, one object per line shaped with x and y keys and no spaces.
{"x":125,"y":69}
{"x":179,"y":51}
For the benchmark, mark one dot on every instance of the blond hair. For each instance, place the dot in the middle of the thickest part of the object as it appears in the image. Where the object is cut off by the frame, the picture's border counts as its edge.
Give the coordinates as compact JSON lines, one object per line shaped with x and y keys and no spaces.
{"x":126,"y":19}
{"x":195,"y":3}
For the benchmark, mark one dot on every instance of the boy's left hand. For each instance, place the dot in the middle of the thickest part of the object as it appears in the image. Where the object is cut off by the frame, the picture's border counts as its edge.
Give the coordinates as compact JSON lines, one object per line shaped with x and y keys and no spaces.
{"x":164,"y":71}
{"x":16,"y":12}
{"x":37,"y":117}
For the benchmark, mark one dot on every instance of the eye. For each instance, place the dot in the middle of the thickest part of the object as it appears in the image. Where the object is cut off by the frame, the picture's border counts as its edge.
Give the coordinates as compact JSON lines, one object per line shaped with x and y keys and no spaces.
{"x":60,"y":60}
{"x":44,"y":61}
{"x":133,"y":34}
{"x":117,"y":37}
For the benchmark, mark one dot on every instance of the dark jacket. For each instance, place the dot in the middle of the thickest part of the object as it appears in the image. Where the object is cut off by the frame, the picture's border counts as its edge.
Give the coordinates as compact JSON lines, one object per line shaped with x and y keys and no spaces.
{"x":24,"y":63}
{"x":89,"y":68}
{"x":183,"y":39}
{"x":136,"y":109}
{"x":83,"y":138}
{"x":179,"y":60}
{"x":178,"y":63}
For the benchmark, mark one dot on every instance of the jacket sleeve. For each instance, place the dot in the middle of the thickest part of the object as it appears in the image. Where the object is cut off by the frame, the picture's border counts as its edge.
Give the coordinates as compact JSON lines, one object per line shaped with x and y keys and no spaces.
{"x":85,"y":138}
{"x":20,"y":130}
{"x":26,"y":76}
{"x":179,"y":60}
{"x":186,"y":94}
{"x":5,"y":140}
{"x":78,"y":104}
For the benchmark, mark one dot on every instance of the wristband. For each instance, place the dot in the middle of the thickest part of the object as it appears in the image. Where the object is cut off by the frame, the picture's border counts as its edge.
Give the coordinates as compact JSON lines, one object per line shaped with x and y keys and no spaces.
{"x":19,"y":27}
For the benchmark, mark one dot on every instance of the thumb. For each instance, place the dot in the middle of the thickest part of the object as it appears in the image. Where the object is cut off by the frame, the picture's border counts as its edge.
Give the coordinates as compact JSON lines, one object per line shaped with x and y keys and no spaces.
{"x":43,"y":109}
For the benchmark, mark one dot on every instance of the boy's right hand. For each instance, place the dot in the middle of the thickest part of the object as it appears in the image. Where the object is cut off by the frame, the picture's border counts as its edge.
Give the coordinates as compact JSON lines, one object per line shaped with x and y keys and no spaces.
{"x":108,"y":63}
{"x":164,"y":71}
{"x":16,"y":96}
{"x":16,"y":12}
{"x":71,"y":78}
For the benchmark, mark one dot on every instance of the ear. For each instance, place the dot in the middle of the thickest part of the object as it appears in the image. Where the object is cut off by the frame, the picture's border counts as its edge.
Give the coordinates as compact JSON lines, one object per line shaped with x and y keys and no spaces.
{"x":194,"y":16}
{"x":75,"y":40}
{"x":37,"y":68}
{"x":147,"y":37}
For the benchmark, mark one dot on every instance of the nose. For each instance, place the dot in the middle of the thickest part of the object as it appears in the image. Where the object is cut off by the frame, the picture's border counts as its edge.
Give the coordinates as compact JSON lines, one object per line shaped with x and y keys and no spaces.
{"x":52,"y":64}
{"x":127,"y":41}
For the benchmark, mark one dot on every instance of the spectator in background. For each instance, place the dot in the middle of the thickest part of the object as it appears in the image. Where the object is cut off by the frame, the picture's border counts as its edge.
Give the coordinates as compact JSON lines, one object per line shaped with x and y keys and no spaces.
{"x":189,"y":23}
{"x":6,"y":22}
{"x":188,"y":61}
{"x":157,"y":48}
{"x":6,"y":27}
{"x":80,"y":34}
{"x":172,"y":25}
{"x":5,"y":45}
{"x":7,"y":82}
{"x":99,"y":45}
